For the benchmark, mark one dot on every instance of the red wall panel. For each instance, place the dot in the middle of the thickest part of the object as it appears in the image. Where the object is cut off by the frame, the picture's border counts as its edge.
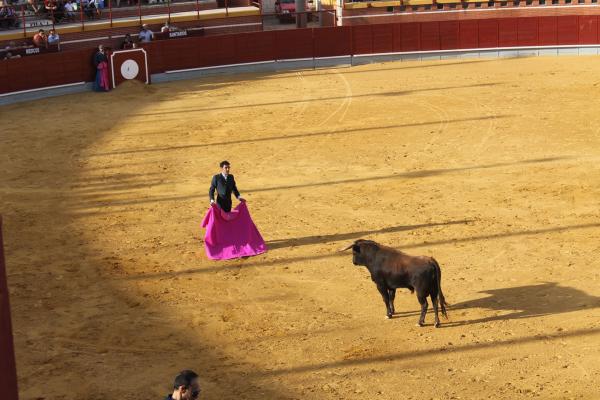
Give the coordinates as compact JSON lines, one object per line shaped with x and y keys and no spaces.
{"x":528,"y":31}
{"x":410,"y":36}
{"x":362,"y":39}
{"x":8,"y":372}
{"x":547,"y":31}
{"x":487,"y":33}
{"x":333,"y":41}
{"x":449,"y":35}
{"x":567,"y":28}
{"x":588,"y":29}
{"x":508,"y":32}
{"x":255,"y":46}
{"x":383,"y":38}
{"x":468,"y":34}
{"x":293,"y":43}
{"x":430,"y":35}
{"x":180,"y":54}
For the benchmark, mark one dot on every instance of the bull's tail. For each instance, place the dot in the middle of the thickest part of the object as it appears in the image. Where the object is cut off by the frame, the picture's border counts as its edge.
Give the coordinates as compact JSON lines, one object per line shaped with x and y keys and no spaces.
{"x":438,"y":273}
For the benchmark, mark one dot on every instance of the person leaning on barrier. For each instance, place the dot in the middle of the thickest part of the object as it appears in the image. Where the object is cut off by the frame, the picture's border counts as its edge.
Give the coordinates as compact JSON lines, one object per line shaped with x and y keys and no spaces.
{"x":40,"y":39}
{"x":145,"y":34}
{"x":128,"y":43}
{"x":53,"y":38}
{"x":167,"y":27}
{"x":185,"y":387}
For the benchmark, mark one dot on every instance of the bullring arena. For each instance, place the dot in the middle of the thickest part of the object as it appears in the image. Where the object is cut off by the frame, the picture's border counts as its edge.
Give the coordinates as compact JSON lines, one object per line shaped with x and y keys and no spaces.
{"x":489,"y":165}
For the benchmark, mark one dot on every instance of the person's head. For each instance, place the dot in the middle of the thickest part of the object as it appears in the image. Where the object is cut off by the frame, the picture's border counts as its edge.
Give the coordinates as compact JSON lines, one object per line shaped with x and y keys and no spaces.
{"x":186,"y":385}
{"x":128,"y":36}
{"x":144,"y":27}
{"x":225,"y":167}
{"x":52,"y":32}
{"x":8,"y":54}
{"x":41,"y":32}
{"x":101,"y":48}
{"x":167,"y":23}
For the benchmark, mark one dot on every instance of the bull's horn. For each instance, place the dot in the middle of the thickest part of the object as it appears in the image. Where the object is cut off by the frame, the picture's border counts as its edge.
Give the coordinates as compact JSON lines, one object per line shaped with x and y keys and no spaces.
{"x":346,"y":248}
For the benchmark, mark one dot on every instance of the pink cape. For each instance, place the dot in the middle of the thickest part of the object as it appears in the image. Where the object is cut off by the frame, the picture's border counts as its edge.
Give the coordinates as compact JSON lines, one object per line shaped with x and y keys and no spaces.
{"x":231,"y":234}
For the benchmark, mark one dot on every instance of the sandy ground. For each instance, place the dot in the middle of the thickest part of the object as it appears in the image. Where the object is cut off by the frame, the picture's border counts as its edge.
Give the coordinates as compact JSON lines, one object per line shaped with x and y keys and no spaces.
{"x":491,"y":166}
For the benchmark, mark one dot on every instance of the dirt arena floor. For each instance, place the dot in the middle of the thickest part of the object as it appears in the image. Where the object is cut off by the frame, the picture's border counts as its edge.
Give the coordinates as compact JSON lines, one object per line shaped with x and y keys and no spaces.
{"x":491,"y":166}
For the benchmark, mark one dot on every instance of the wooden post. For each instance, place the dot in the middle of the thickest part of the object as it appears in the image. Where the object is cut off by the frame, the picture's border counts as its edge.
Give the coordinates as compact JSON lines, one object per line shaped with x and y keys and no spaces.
{"x":110,"y":12}
{"x":81,"y":15}
{"x":8,"y":371}
{"x":23,"y":19}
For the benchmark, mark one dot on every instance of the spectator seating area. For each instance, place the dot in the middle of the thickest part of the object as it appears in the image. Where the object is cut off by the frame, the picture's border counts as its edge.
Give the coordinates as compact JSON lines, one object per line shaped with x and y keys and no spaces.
{"x":430,"y":5}
{"x":109,"y":26}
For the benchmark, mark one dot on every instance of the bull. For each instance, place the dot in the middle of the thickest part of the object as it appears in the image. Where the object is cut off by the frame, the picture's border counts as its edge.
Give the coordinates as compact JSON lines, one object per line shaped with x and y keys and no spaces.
{"x":392,"y":269}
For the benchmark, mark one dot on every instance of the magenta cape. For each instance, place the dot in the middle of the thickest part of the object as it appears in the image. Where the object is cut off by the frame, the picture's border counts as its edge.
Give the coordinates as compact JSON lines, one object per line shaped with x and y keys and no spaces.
{"x":231,"y":234}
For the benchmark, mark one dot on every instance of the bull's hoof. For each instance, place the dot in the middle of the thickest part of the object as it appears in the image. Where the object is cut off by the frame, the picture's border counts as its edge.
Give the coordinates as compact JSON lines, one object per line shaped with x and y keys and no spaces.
{"x":421,"y":324}
{"x":437,"y":325}
{"x":389,"y":316}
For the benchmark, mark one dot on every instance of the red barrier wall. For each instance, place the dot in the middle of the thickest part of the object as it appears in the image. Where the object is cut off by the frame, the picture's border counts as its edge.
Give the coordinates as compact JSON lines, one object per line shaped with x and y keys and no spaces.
{"x":193,"y":52}
{"x":8,"y":372}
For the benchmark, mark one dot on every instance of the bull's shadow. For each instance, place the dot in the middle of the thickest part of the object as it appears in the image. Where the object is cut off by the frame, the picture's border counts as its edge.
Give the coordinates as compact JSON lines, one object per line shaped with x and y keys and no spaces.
{"x":524,"y":302}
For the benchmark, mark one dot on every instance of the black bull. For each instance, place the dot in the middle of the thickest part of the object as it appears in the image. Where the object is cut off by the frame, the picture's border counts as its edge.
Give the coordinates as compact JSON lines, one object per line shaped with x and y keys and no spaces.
{"x":392,"y":269}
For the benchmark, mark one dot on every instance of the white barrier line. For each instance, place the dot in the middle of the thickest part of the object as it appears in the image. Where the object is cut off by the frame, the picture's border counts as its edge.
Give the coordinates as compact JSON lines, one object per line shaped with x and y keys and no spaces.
{"x":218,"y":66}
{"x":227,"y":26}
{"x":400,"y":53}
{"x":43,"y":88}
{"x":463,"y":10}
{"x":332,"y":57}
{"x":85,"y":40}
{"x":295,"y":59}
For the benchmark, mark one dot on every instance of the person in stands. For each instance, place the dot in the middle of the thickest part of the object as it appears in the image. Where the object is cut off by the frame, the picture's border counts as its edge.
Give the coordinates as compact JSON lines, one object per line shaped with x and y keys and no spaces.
{"x":69,"y":8}
{"x":8,"y":17}
{"x":53,"y":38}
{"x":40,"y":39}
{"x":167,"y":27}
{"x":185,"y":387}
{"x":145,"y":34}
{"x":128,"y":43}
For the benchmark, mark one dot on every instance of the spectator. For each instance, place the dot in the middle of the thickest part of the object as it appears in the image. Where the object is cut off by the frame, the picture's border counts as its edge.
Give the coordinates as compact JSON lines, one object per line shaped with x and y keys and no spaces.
{"x":145,"y":34}
{"x":169,"y":28}
{"x":186,"y":386}
{"x":91,"y":9}
{"x":128,"y":43}
{"x":8,"y":17}
{"x":32,"y":5}
{"x":69,"y":10}
{"x":54,"y":38}
{"x":10,"y":56}
{"x":40,"y":39}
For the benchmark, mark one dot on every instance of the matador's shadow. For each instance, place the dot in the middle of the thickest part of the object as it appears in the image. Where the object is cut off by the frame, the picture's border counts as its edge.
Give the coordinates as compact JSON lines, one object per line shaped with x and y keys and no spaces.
{"x":525,"y":302}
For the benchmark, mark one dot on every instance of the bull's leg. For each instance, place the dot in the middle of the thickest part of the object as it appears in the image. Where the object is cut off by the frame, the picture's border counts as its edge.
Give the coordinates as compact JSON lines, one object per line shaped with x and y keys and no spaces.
{"x":424,"y":305}
{"x":392,"y":293}
{"x":386,"y":298}
{"x":434,"y":301}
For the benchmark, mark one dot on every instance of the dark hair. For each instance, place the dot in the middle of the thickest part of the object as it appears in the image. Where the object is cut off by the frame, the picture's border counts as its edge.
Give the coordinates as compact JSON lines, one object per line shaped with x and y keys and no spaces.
{"x":224,"y":163}
{"x":184,"y":379}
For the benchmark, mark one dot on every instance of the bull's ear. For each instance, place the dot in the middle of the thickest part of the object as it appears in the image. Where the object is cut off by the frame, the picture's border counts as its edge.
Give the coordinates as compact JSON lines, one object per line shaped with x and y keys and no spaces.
{"x":356,"y":248}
